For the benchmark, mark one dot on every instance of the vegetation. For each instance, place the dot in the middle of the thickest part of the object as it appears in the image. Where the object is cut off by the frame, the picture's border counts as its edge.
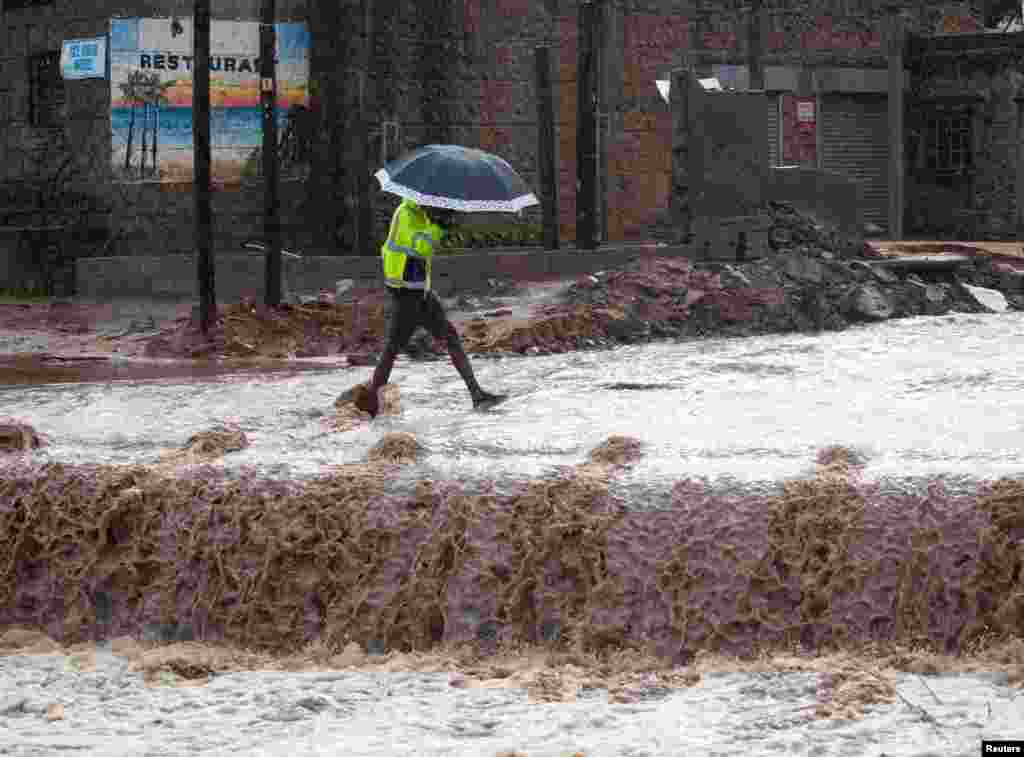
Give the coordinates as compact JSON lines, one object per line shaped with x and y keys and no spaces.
{"x":17,"y":296}
{"x":491,"y":236}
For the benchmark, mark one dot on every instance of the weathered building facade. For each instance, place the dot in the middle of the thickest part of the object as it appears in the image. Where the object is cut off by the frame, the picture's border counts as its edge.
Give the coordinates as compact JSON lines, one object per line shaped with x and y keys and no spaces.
{"x":388,"y":75}
{"x":45,"y":120}
{"x":965,"y":170}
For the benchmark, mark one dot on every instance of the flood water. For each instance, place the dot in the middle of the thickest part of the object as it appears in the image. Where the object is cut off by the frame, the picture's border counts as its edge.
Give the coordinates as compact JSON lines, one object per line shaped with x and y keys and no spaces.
{"x":919,"y":397}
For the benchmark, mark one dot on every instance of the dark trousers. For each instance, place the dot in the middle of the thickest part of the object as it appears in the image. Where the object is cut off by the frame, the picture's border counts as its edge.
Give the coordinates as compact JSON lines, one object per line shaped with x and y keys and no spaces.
{"x":409,"y":310}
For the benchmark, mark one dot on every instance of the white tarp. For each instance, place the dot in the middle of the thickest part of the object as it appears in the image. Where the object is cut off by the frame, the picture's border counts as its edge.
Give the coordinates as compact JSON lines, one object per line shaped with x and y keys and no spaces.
{"x":712,"y":85}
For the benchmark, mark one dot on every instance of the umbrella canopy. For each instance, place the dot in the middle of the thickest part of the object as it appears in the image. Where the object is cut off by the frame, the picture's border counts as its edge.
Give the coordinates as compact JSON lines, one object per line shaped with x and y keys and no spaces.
{"x":458,"y":178}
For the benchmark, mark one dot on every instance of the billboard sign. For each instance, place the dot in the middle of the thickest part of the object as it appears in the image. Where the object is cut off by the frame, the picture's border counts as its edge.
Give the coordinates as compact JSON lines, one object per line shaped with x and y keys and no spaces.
{"x":151,"y":96}
{"x":84,"y":58}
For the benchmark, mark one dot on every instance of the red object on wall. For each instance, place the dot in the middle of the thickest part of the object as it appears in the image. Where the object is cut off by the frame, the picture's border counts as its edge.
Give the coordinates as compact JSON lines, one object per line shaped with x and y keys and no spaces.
{"x":514,"y":7}
{"x":720,"y":40}
{"x":799,"y":130}
{"x":957,"y":24}
{"x":473,"y":16}
{"x":495,"y":99}
{"x":825,"y":37}
{"x":568,"y":34}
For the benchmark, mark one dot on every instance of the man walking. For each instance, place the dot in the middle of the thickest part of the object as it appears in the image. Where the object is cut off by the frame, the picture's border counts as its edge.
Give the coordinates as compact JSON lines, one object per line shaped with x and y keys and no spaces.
{"x":408,"y":256}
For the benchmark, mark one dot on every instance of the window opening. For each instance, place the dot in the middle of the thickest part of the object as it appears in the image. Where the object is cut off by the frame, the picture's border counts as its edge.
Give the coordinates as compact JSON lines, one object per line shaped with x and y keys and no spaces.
{"x":46,"y":89}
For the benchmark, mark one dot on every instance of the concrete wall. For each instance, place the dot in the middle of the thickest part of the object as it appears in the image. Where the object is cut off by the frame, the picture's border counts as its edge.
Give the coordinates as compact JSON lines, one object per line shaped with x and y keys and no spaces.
{"x":21,"y":267}
{"x":240,"y":275}
{"x":735,"y":152}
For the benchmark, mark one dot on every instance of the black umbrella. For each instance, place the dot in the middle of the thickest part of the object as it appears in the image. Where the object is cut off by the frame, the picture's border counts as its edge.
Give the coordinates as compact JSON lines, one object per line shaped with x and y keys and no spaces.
{"x":458,"y":178}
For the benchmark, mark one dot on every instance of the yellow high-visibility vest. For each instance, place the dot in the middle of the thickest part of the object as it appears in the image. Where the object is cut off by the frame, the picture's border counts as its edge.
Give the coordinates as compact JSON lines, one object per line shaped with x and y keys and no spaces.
{"x":412,"y":235}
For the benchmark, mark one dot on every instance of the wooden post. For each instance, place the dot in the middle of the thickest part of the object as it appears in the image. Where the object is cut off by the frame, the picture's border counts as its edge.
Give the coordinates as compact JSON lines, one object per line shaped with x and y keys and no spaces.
{"x":586,"y":129}
{"x":1020,"y":161}
{"x":684,"y":191}
{"x":363,"y":168}
{"x":271,"y":203}
{"x":547,"y":169}
{"x":201,"y":160}
{"x":603,"y":128}
{"x":896,"y":167}
{"x":364,"y":179}
{"x":755,"y":43}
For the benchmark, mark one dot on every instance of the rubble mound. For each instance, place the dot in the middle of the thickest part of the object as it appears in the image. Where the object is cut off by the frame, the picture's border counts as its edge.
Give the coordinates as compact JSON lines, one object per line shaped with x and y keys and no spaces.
{"x":388,"y":398}
{"x":792,"y":229}
{"x":352,"y":406}
{"x":16,"y":436}
{"x":617,"y":450}
{"x":208,"y":445}
{"x":555,"y":329}
{"x":247,"y":329}
{"x":838,"y":460}
{"x":396,"y":447}
{"x":823,"y":563}
{"x":26,"y":641}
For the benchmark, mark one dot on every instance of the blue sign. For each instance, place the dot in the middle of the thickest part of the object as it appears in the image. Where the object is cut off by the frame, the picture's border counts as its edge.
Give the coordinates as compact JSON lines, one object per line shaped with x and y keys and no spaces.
{"x":84,"y":58}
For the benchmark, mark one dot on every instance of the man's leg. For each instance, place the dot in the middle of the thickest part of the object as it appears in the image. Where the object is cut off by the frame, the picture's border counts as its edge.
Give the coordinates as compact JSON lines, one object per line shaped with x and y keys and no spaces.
{"x":401,"y":326}
{"x":440,"y":327}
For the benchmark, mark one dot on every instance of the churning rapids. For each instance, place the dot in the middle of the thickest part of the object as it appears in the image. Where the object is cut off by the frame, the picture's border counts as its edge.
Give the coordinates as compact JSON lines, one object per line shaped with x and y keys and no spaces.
{"x":918,"y":397}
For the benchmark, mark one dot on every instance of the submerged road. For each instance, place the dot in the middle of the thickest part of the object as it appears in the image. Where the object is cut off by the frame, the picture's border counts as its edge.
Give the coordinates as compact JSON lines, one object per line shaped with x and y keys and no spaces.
{"x":917,"y":397}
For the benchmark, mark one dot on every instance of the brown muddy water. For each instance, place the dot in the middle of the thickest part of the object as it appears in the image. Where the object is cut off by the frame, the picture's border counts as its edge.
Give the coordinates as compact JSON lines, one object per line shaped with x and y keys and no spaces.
{"x":507,"y":532}
{"x":34,"y":369}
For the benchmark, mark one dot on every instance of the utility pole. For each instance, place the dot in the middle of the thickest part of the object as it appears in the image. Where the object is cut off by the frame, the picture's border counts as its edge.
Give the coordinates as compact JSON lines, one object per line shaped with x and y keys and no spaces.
{"x":201,"y":161}
{"x":756,"y":28}
{"x":896,"y":75}
{"x":363,"y":168}
{"x":586,"y":128}
{"x":548,"y":167}
{"x":271,"y":204}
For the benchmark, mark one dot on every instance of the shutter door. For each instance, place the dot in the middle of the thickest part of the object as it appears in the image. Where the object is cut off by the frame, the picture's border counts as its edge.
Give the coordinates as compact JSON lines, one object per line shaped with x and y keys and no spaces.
{"x":773,"y":130}
{"x":855,"y":142}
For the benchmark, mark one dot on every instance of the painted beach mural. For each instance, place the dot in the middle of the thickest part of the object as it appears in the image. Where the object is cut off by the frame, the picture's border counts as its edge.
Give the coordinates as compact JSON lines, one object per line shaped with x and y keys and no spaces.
{"x":151,"y":98}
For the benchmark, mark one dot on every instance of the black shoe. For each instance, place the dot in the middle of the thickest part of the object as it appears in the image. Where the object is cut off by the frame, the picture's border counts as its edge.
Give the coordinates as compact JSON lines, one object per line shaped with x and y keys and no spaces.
{"x":485,"y":400}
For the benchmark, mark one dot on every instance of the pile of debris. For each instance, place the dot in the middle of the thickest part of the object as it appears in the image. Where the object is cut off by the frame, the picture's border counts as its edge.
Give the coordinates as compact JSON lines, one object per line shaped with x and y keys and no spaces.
{"x":17,"y":436}
{"x":793,"y":230}
{"x":812,"y":276}
{"x":251,"y":329}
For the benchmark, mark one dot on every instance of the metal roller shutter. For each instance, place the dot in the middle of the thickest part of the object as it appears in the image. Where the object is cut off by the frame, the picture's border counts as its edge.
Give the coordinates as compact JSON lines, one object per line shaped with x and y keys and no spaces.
{"x":855,"y":142}
{"x":773,"y":130}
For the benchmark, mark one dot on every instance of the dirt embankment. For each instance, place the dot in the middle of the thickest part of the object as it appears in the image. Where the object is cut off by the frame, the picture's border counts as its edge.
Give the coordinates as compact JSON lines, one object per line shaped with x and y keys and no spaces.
{"x":649,"y":299}
{"x":813,"y":278}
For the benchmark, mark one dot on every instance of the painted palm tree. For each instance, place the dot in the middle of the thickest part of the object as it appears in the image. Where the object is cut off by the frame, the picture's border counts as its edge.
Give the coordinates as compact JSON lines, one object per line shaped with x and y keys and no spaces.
{"x":131,"y":90}
{"x":154,"y":96}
